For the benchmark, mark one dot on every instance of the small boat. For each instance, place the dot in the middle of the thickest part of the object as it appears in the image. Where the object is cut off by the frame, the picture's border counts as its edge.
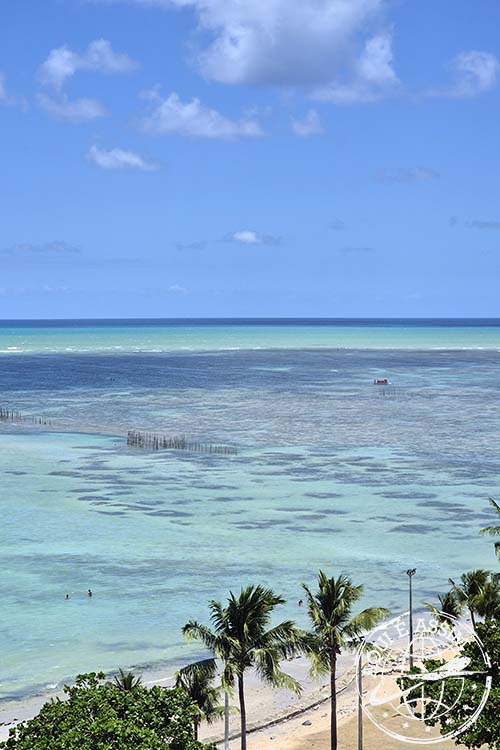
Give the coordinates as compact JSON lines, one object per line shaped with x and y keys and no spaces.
{"x":381,"y":381}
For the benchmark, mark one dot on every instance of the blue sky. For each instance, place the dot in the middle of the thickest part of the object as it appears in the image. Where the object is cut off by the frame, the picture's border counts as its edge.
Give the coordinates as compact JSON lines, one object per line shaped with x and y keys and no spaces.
{"x":177,"y":158}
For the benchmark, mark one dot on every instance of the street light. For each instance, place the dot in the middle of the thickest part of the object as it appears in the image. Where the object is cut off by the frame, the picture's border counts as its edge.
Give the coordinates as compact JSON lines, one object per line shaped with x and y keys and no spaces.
{"x":410,"y":573}
{"x":360,"y":699}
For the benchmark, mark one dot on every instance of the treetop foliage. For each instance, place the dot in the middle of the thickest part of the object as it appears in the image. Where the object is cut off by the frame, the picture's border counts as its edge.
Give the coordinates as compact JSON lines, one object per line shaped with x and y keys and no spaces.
{"x":97,"y":715}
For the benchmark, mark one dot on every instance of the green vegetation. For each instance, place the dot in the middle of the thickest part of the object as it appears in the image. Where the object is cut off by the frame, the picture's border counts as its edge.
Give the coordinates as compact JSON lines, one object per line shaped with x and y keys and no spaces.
{"x":448,"y":607}
{"x":196,"y":680}
{"x":485,"y":732}
{"x":470,"y":592}
{"x":100,"y":716}
{"x":242,"y":637}
{"x":494,"y":530}
{"x":127,"y":681}
{"x":335,"y":629}
{"x":477,"y":592}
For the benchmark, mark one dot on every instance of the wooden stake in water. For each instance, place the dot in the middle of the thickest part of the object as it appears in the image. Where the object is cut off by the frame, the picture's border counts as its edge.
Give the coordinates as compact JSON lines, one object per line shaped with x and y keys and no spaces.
{"x":153,"y":442}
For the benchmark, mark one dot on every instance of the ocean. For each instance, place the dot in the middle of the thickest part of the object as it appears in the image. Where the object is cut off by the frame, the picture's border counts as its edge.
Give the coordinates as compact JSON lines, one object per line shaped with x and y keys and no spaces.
{"x":331,"y":472}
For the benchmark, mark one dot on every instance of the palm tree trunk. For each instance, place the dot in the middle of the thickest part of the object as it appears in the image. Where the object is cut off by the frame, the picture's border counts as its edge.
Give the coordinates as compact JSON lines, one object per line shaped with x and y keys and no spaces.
{"x":333,"y":703}
{"x":195,"y":725}
{"x":472,"y":618}
{"x":243,"y":712}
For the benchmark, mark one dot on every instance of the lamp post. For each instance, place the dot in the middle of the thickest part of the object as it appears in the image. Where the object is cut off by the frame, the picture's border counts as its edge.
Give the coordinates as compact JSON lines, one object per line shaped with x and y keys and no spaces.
{"x":410,"y":573}
{"x":360,"y":700}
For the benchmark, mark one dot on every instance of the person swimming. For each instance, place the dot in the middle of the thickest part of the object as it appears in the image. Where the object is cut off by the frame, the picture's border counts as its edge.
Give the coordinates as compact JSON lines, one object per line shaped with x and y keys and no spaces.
{"x":67,"y":596}
{"x":89,"y":593}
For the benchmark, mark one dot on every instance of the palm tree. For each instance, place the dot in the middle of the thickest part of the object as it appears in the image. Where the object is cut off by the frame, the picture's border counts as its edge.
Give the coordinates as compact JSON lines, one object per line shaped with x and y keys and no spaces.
{"x":448,"y":607}
{"x":488,"y":602}
{"x":336,"y":630}
{"x":493,"y":530}
{"x":127,"y":681}
{"x":469,"y":591}
{"x":242,"y":638}
{"x":196,"y":680}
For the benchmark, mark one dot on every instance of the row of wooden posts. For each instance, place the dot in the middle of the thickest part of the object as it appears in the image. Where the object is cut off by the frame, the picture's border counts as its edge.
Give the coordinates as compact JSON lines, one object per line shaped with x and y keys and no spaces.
{"x":135,"y":439}
{"x":10,"y":415}
{"x":154,"y":442}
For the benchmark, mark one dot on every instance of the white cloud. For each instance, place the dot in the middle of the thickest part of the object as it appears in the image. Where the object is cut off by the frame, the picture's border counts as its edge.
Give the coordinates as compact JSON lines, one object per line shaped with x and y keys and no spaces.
{"x":373,"y":76}
{"x":247,"y":237}
{"x":172,"y":116}
{"x":280,"y":42}
{"x":116,"y":158}
{"x":310,"y":125}
{"x":475,"y":73}
{"x":62,"y":63}
{"x":76,"y":110}
{"x":177,"y":289}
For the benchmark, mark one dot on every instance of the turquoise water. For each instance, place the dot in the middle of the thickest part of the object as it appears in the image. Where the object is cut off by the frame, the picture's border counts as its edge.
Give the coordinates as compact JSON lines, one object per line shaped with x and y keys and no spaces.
{"x":331,"y":471}
{"x":161,"y":336}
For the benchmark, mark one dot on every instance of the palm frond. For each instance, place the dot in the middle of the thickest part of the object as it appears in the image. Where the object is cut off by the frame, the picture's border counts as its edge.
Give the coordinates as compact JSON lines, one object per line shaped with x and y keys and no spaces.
{"x":206,"y":668}
{"x":365,"y":621}
{"x":267,"y":664}
{"x":127,"y":681}
{"x":194,"y":630}
{"x":320,"y":663}
{"x":490,"y":531}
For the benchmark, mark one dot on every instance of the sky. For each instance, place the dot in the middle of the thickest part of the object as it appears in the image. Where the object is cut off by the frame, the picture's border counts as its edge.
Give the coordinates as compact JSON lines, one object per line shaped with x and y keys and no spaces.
{"x":254,"y":158}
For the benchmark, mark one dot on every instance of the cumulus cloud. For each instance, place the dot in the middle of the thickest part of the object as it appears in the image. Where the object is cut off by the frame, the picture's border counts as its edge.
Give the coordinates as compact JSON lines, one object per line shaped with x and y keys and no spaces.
{"x":247,"y":237}
{"x":407,"y":175}
{"x":281,"y":42}
{"x":116,"y":158}
{"x":62,"y":63}
{"x":76,"y":110}
{"x":310,"y":125}
{"x":172,"y":116}
{"x":250,"y":237}
{"x":372,"y":77}
{"x":475,"y":73}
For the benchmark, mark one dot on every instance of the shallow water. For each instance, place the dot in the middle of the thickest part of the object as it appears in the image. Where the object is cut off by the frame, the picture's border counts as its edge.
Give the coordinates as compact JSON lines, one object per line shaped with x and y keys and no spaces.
{"x":331,"y":472}
{"x":217,"y":335}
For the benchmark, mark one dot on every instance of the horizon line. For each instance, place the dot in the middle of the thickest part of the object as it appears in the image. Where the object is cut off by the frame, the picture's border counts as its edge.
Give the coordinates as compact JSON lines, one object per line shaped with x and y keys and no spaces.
{"x":243,"y":318}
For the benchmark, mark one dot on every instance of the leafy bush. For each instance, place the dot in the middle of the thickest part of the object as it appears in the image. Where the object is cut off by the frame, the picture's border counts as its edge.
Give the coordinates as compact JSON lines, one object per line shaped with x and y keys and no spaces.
{"x":97,"y":715}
